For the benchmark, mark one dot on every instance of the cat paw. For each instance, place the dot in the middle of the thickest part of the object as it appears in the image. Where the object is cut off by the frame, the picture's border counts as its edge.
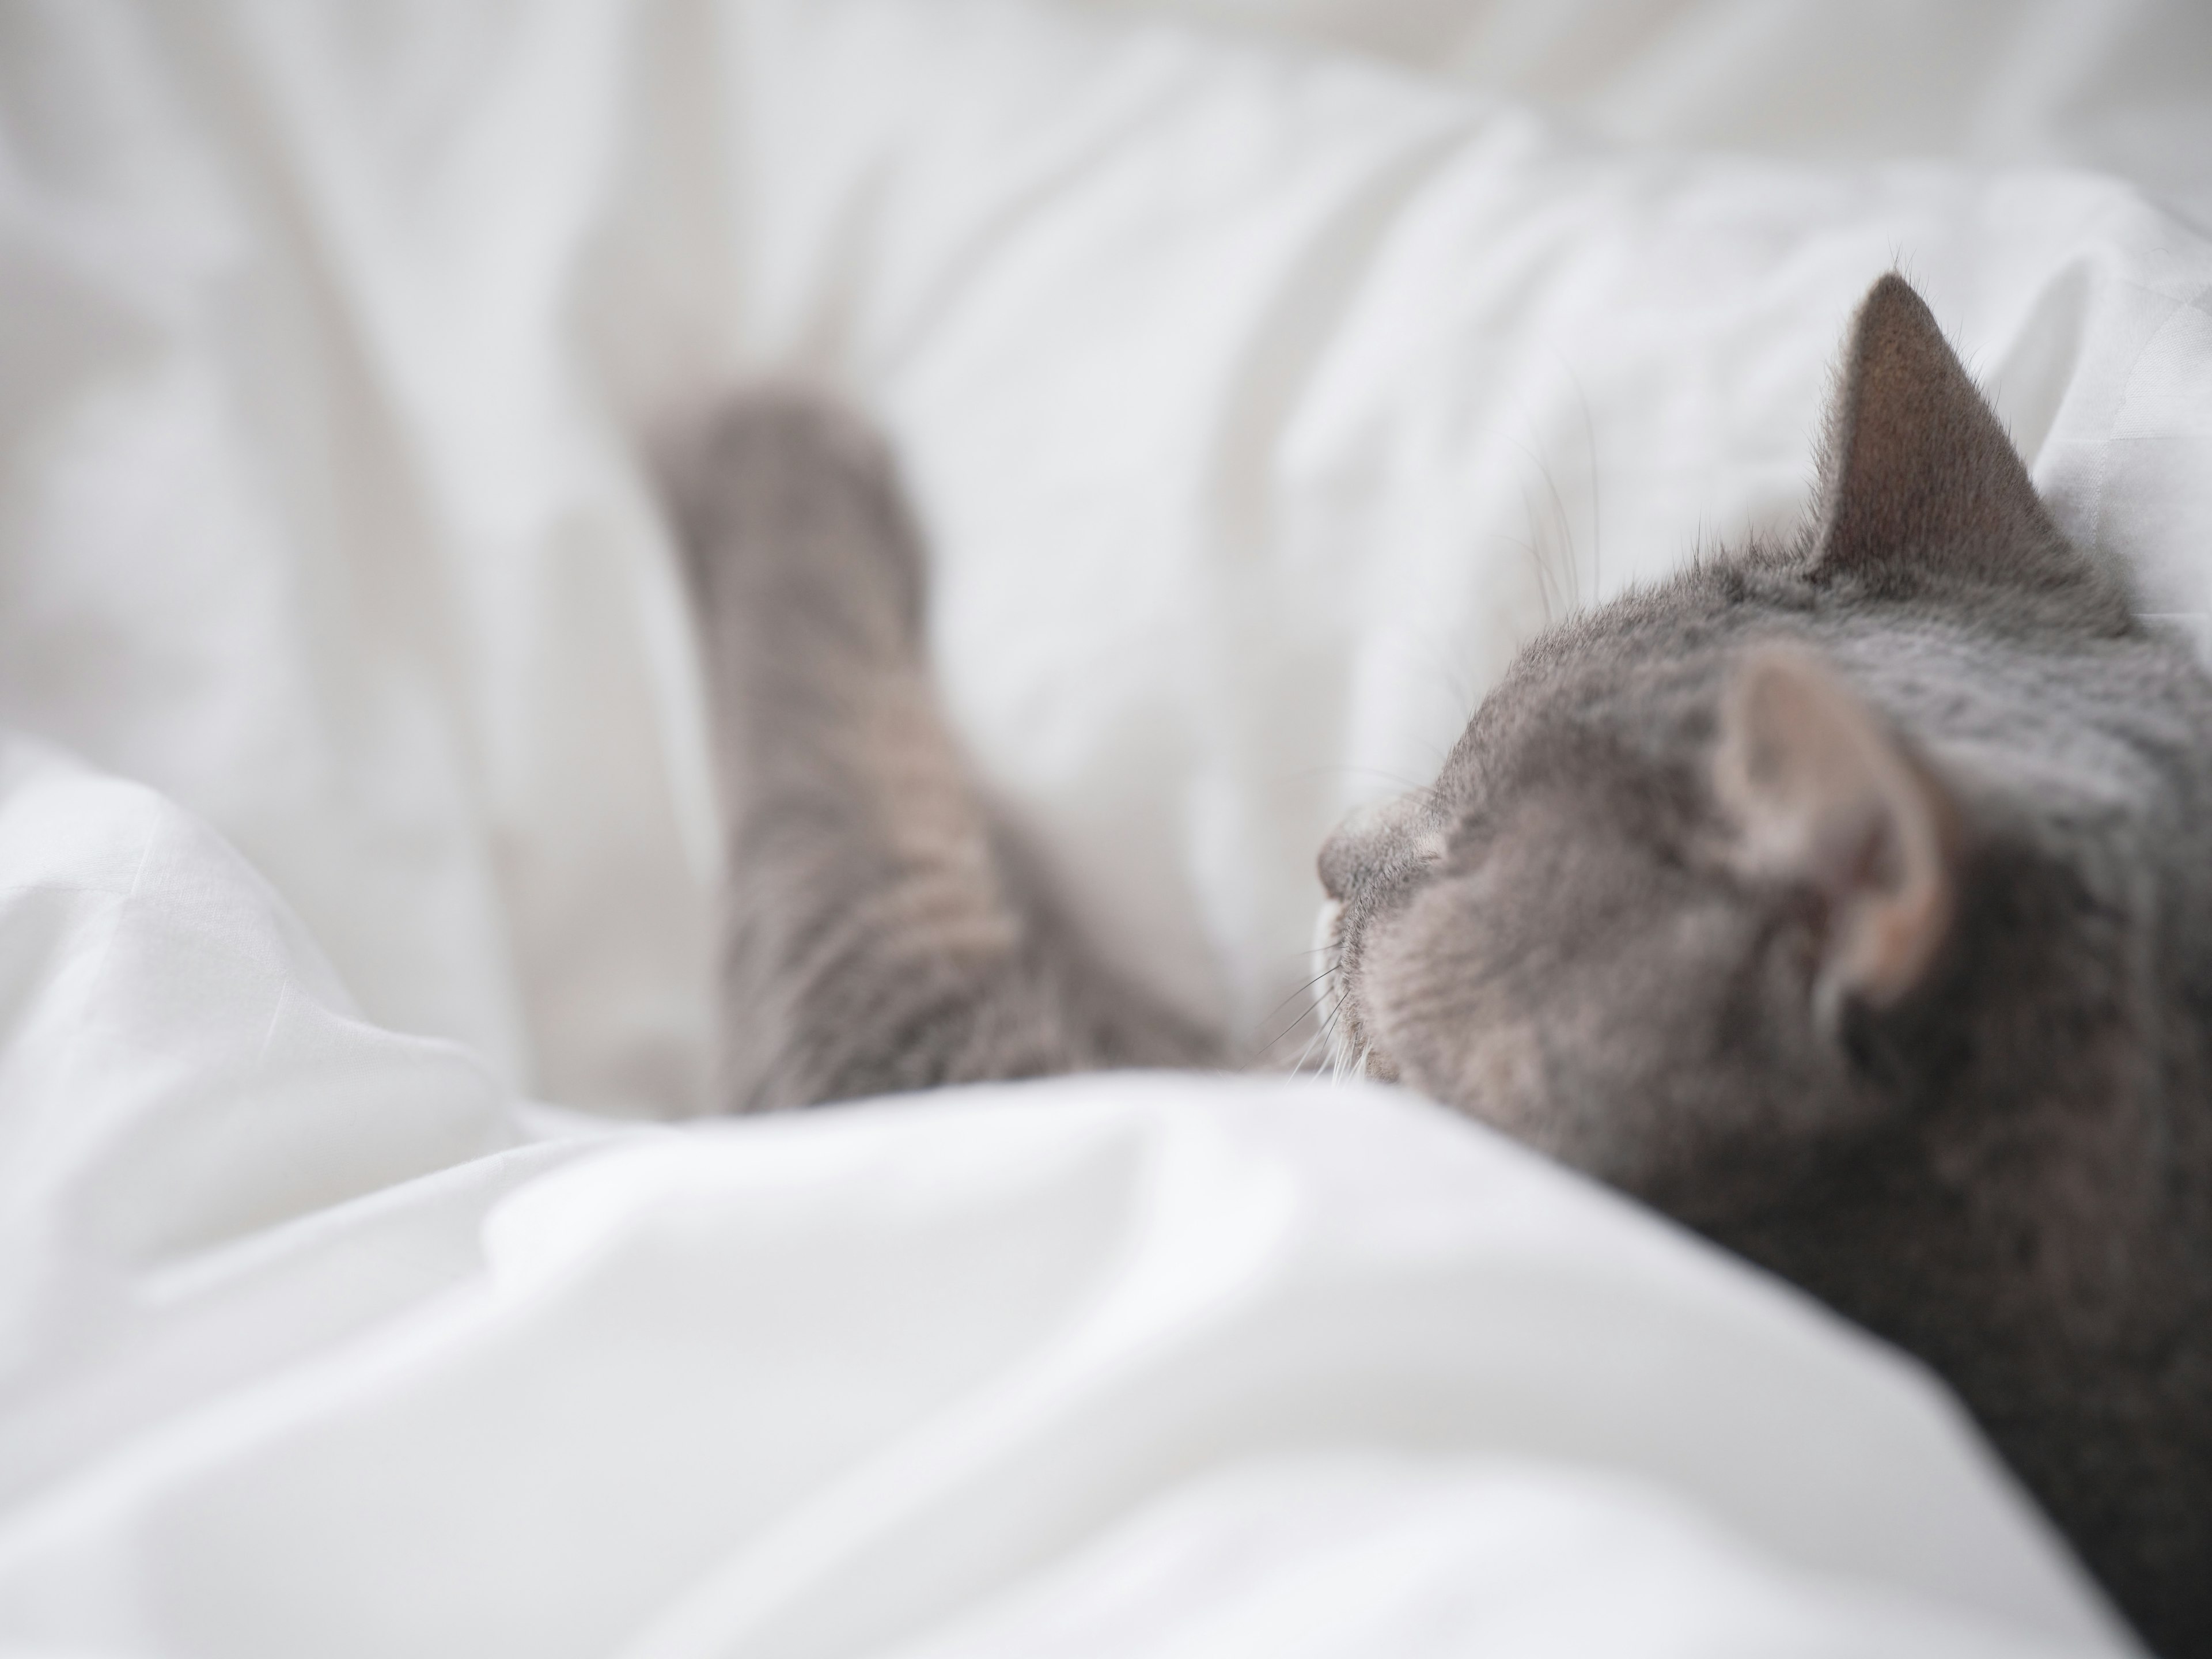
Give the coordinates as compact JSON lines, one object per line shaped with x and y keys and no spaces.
{"x":792,"y":522}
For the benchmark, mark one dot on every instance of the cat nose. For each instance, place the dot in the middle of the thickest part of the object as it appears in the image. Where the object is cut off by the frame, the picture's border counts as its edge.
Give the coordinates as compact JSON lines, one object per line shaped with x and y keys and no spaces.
{"x":1351,"y":847}
{"x":1334,"y":866}
{"x":1390,"y":837}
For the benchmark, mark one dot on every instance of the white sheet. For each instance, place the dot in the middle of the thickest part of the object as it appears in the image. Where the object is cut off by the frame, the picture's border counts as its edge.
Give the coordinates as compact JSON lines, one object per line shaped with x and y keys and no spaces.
{"x":1259,"y":402}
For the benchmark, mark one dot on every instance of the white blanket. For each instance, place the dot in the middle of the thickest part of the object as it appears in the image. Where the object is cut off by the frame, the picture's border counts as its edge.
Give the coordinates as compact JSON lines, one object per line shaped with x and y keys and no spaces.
{"x":1259,"y":402}
{"x":315,"y":1350}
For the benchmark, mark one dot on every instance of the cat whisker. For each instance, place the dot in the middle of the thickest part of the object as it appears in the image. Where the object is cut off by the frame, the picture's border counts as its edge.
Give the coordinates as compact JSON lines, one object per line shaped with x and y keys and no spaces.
{"x":1323,"y":1036}
{"x":1302,"y":1014}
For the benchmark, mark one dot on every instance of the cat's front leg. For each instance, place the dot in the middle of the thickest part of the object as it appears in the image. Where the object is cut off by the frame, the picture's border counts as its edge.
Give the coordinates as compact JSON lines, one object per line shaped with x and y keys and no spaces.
{"x":876,"y":936}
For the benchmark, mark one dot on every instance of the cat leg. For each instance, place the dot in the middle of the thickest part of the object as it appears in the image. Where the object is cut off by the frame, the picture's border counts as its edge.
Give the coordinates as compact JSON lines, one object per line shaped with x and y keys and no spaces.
{"x":876,"y":936}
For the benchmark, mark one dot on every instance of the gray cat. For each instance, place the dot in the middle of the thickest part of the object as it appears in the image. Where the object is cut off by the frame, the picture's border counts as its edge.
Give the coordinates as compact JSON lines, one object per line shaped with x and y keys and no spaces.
{"x":1850,"y":901}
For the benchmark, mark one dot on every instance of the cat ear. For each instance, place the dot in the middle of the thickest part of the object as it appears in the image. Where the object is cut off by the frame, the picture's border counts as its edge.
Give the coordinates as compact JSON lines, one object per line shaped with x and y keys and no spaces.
{"x":1828,"y":799}
{"x":1918,"y":480}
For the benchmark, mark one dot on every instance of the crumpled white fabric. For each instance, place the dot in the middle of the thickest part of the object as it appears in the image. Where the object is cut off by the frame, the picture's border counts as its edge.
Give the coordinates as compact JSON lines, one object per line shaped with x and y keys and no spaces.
{"x":318,"y":1343}
{"x":2122,"y":86}
{"x":1258,"y":401}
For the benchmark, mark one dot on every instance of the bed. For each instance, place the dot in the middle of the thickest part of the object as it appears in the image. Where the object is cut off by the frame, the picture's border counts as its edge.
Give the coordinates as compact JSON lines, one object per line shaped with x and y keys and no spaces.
{"x":1265,"y":372}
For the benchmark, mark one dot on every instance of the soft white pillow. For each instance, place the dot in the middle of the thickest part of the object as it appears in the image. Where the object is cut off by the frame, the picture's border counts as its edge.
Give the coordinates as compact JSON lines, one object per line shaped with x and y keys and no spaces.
{"x":2122,"y":86}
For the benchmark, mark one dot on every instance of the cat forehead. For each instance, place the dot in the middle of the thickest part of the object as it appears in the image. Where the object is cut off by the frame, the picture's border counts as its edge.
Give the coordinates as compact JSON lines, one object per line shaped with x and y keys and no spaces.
{"x":1650,"y":666}
{"x":1623,"y":704}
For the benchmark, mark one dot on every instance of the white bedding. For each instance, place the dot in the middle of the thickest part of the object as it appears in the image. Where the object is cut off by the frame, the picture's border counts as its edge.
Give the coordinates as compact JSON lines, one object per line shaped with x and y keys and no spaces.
{"x":1259,"y":399}
{"x":320,"y":1344}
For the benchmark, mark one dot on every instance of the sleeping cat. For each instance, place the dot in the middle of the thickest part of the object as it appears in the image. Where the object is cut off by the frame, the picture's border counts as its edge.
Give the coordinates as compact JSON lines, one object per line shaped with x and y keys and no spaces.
{"x":1849,"y":900}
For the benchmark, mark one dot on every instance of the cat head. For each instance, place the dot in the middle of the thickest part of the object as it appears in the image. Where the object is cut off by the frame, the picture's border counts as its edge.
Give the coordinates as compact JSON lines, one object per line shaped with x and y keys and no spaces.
{"x":1682,"y":903}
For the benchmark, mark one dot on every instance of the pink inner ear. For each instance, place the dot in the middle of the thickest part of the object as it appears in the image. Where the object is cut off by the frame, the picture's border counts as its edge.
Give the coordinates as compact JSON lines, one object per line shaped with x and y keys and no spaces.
{"x":1826,"y":797}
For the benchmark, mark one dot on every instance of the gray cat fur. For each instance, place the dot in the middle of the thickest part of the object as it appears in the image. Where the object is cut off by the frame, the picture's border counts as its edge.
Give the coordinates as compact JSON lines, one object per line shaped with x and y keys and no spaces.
{"x":1988,"y":1141}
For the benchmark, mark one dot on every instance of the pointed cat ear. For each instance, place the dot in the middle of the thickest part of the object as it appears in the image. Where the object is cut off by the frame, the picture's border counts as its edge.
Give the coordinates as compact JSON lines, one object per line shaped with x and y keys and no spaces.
{"x":1918,"y":481}
{"x":1829,"y":800}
